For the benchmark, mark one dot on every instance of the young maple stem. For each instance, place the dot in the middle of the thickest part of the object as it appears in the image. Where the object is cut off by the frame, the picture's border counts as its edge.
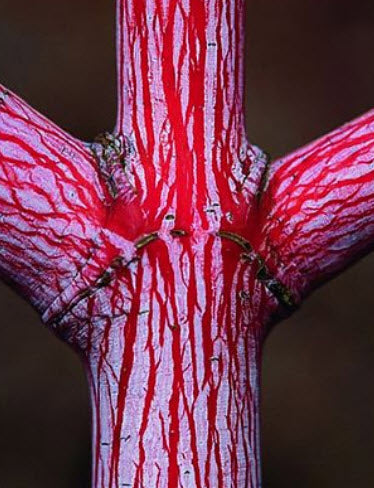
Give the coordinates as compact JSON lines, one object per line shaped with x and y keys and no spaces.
{"x":180,"y":74}
{"x":162,"y":252}
{"x":174,"y":386}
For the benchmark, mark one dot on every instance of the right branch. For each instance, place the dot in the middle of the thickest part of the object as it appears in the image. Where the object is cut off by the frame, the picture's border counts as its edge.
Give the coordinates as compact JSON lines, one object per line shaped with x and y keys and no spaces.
{"x":317,"y":209}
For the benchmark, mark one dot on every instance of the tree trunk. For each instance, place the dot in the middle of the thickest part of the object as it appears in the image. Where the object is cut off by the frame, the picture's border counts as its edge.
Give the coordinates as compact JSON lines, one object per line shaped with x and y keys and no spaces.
{"x":164,"y":251}
{"x":174,"y":383}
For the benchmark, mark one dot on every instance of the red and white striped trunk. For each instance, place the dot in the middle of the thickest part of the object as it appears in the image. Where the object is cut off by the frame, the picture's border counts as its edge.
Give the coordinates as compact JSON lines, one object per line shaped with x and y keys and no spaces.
{"x":175,"y":382}
{"x":162,"y":252}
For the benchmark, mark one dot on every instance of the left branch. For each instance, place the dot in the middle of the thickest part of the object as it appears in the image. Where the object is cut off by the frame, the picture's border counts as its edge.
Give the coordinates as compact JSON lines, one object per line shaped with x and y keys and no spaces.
{"x":51,"y":203}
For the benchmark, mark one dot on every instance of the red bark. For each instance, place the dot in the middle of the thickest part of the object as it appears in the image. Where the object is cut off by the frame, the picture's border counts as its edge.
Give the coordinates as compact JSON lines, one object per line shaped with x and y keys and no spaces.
{"x":163,"y":252}
{"x":51,"y":201}
{"x":317,"y":212}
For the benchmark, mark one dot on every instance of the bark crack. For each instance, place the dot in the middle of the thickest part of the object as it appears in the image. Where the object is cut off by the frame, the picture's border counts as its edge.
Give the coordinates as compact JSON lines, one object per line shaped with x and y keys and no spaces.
{"x":282,"y":294}
{"x":104,"y":280}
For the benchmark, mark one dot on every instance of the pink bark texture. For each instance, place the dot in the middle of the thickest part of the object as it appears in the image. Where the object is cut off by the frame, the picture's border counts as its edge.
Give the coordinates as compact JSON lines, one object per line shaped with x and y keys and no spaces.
{"x":164,"y":251}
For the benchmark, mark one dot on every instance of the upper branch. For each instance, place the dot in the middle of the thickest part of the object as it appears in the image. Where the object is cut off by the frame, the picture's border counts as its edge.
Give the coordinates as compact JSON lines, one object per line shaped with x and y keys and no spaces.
{"x":317,"y":210}
{"x":180,"y":72}
{"x":51,"y":203}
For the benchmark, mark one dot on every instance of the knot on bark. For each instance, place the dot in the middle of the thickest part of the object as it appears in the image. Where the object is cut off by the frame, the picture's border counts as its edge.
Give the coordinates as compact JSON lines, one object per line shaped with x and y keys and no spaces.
{"x":112,"y":153}
{"x":250,"y":171}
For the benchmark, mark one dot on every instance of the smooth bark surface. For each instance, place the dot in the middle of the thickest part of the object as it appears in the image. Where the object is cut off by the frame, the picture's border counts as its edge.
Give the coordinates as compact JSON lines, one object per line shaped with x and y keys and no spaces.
{"x":163,"y":252}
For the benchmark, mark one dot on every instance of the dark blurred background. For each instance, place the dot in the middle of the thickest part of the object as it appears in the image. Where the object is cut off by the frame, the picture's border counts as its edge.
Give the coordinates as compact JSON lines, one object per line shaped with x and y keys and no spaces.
{"x":310,"y":67}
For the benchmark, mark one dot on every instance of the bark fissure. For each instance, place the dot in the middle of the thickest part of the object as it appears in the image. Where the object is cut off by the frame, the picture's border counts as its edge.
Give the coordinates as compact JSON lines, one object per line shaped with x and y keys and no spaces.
{"x":278,"y":289}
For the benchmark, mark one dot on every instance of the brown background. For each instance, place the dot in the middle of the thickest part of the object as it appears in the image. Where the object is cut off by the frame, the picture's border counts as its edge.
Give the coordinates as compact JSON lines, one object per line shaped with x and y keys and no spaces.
{"x":310,"y":68}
